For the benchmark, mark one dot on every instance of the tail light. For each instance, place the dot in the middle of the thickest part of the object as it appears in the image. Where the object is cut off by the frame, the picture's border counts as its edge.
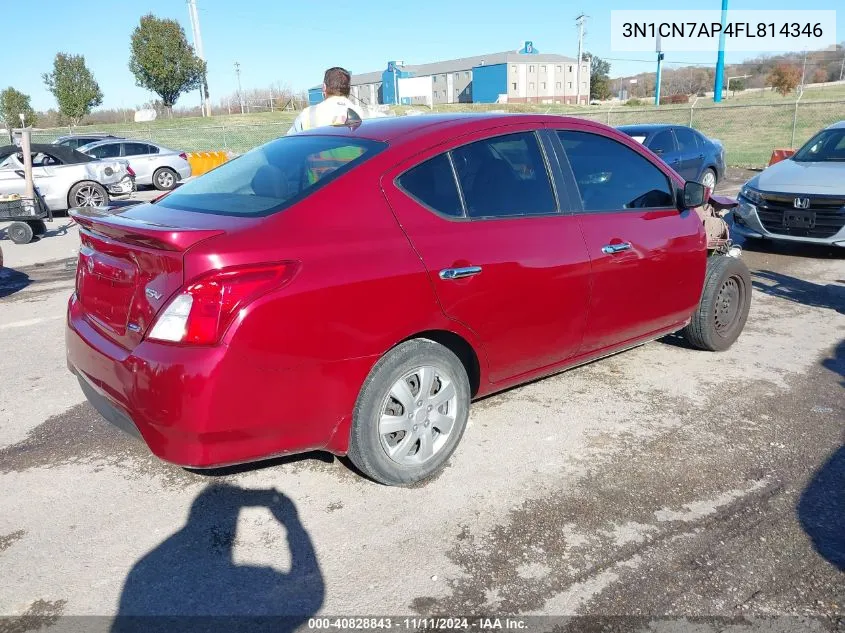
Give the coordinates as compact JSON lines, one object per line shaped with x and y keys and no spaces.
{"x":205,"y":309}
{"x":183,"y":156}
{"x":130,"y":171}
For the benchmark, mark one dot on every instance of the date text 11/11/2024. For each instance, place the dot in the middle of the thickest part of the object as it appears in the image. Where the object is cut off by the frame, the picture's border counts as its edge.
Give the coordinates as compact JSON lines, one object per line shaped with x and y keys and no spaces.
{"x":419,"y":623}
{"x":713,"y":29}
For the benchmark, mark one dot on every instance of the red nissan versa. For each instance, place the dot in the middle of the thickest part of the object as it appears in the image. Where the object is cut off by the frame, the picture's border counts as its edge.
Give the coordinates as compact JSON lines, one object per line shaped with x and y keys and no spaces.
{"x":353,"y":288}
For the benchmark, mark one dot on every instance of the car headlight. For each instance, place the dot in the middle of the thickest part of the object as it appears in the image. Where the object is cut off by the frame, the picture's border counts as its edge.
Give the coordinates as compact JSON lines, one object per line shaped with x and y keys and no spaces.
{"x":752,"y":195}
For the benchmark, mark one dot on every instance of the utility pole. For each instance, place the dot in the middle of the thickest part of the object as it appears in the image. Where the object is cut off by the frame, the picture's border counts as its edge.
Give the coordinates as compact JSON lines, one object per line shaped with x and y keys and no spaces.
{"x":580,"y":22}
{"x":803,"y":72}
{"x":659,"y":51}
{"x":842,"y":70}
{"x":240,"y":94}
{"x":720,"y":60}
{"x":195,"y":31}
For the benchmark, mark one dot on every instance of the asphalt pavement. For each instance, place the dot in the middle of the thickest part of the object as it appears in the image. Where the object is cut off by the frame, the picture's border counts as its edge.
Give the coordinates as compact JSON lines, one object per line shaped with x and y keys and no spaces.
{"x":658,"y":484}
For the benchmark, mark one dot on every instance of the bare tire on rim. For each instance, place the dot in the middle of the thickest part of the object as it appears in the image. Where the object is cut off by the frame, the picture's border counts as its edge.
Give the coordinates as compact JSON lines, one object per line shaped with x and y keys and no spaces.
{"x":410,"y":414}
{"x":164,"y":179}
{"x":708,"y":179}
{"x":20,"y":232}
{"x":724,"y":305}
{"x":88,"y":194}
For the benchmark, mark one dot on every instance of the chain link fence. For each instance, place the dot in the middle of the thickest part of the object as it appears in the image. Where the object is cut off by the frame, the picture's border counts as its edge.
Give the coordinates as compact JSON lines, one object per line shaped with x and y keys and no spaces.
{"x":748,"y":132}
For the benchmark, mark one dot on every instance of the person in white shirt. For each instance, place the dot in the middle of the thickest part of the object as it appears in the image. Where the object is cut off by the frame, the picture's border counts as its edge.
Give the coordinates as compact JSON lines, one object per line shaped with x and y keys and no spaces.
{"x":334,"y":109}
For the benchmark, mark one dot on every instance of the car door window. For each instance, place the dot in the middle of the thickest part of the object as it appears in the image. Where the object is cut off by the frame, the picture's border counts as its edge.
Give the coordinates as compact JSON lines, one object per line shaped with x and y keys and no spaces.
{"x":112,"y":150}
{"x":432,"y":184}
{"x":611,"y":176}
{"x":504,"y":176}
{"x":135,"y":149}
{"x":662,"y":143}
{"x":687,"y":141}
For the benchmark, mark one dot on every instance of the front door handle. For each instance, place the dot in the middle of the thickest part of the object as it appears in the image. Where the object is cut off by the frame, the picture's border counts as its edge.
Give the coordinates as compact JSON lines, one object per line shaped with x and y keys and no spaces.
{"x":610,"y":249}
{"x":459,"y":273}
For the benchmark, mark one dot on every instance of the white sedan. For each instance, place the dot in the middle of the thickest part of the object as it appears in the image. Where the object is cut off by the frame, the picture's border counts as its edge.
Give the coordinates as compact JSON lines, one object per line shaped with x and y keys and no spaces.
{"x":153,"y":164}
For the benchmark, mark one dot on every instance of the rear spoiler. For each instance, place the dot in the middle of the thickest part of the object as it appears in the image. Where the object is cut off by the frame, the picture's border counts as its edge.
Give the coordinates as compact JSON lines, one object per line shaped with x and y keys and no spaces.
{"x":139,"y":232}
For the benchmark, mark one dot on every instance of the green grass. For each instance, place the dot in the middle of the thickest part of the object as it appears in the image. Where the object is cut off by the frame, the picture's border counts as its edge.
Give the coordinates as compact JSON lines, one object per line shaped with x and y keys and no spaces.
{"x":750,"y":125}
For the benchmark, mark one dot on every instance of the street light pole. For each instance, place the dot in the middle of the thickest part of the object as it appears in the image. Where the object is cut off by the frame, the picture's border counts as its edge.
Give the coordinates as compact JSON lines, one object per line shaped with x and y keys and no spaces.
{"x":195,"y":30}
{"x":720,"y":60}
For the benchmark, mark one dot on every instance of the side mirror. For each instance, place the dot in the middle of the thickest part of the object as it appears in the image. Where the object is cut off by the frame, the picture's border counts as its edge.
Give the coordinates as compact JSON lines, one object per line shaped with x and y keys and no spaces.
{"x":695,"y":195}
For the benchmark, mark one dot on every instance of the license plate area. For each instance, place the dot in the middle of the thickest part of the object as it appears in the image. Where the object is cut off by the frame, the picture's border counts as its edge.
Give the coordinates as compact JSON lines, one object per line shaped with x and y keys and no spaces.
{"x":799,"y":219}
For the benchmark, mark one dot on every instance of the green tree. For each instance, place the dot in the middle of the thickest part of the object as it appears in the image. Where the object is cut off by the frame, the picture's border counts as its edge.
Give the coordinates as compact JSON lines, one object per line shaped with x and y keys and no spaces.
{"x":599,"y":77}
{"x":74,"y":87}
{"x":737,"y":85}
{"x":163,"y":61}
{"x":12,"y":104}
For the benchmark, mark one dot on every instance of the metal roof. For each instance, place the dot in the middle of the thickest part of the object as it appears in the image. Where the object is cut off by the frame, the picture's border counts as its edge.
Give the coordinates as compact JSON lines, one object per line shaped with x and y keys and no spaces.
{"x":464,"y":63}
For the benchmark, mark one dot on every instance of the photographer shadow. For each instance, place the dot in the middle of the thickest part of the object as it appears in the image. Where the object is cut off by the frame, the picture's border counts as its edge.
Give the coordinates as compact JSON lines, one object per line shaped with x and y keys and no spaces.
{"x":191,"y":583}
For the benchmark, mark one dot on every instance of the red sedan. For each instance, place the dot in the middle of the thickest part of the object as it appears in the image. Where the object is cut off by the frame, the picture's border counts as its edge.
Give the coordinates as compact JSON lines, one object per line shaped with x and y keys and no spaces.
{"x":353,"y":288}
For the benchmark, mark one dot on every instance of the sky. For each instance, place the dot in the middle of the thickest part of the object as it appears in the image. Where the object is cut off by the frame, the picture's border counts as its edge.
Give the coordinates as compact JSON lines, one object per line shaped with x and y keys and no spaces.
{"x":292,"y":42}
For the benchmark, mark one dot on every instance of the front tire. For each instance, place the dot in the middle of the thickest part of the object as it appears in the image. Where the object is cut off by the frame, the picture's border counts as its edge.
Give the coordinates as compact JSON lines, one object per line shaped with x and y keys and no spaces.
{"x":708,"y":179}
{"x":411,"y":414}
{"x":165,"y":179}
{"x":724,"y":305}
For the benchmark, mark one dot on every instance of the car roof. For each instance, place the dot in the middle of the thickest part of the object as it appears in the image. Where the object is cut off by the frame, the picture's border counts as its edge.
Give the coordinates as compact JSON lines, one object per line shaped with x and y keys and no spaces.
{"x":399,"y":128}
{"x":645,"y":128}
{"x":112,"y":141}
{"x":837,"y":125}
{"x":66,"y":155}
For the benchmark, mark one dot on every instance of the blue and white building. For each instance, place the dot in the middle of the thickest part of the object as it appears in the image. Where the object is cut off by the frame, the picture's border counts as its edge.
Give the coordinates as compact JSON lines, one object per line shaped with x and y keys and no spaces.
{"x":520,"y":76}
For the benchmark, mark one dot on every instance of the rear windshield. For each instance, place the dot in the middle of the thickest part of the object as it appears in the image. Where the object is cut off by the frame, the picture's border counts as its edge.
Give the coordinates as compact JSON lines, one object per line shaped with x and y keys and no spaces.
{"x":273,"y":176}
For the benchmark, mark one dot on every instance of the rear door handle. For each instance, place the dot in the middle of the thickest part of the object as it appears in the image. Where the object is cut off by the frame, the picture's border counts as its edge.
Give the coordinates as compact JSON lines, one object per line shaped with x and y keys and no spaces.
{"x":610,"y":249}
{"x":459,"y":273}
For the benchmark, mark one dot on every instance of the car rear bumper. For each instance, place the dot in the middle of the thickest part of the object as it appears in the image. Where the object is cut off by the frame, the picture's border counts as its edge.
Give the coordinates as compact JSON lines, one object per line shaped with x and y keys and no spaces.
{"x":210,"y":407}
{"x":746,"y":222}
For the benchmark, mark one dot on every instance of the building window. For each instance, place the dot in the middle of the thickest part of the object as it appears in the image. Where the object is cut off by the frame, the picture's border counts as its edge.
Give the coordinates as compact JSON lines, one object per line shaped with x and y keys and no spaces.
{"x":570,"y":68}
{"x":542,"y":85}
{"x":543,"y":69}
{"x":557,"y":68}
{"x":434,"y":79}
{"x":466,"y":74}
{"x":531,"y":69}
{"x":557,"y":85}
{"x":531,"y":86}
{"x":514,"y":86}
{"x":457,"y":75}
{"x":457,"y":90}
{"x":513,"y":68}
{"x":444,"y":77}
{"x":570,"y":84}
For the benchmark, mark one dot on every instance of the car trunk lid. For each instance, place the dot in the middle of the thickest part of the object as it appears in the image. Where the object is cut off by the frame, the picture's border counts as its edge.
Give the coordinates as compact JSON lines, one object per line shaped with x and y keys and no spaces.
{"x":128,"y":268}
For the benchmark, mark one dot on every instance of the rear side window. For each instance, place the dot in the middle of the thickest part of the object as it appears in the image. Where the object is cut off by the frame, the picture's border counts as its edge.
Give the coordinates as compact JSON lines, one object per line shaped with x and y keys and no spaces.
{"x":112,"y":150}
{"x":273,"y":176}
{"x":432,"y":183}
{"x":612,"y":176}
{"x":687,"y":139}
{"x":135,"y":149}
{"x":662,"y":143}
{"x":504,"y":176}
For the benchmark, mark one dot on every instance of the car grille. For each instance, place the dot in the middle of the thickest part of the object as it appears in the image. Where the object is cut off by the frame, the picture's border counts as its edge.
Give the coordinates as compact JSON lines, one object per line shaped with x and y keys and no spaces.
{"x":824,"y":217}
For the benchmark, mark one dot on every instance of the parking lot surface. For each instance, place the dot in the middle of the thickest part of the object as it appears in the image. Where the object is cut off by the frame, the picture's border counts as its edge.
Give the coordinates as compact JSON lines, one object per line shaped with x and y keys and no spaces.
{"x":658,"y":482}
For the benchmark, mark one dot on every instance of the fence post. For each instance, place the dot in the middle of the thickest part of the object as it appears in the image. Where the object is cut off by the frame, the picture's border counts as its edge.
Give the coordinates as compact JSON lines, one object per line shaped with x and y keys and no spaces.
{"x":795,"y":118}
{"x":225,"y":144}
{"x":691,"y":109}
{"x":608,"y":113}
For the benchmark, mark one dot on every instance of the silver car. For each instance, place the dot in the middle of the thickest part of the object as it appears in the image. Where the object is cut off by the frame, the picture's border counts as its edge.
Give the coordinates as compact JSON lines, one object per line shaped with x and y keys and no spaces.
{"x":64,"y":177}
{"x":800,"y":199}
{"x":153,"y":164}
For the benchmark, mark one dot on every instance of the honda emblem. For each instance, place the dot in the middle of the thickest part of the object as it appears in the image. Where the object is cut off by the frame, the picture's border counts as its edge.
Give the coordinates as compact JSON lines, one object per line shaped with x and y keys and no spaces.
{"x":801,"y":203}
